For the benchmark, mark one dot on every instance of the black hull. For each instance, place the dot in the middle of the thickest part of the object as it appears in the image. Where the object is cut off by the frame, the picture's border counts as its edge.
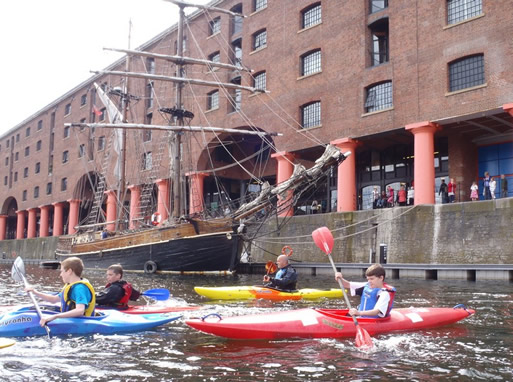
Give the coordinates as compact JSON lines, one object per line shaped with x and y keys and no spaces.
{"x":197,"y":254}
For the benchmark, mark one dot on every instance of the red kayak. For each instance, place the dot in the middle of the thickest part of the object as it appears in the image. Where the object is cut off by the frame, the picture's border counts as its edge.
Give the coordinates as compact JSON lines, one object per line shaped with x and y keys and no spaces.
{"x":324,"y":323}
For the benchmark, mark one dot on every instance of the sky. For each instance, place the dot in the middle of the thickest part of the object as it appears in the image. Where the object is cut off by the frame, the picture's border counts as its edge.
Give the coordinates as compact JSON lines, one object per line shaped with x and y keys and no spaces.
{"x":50,"y":46}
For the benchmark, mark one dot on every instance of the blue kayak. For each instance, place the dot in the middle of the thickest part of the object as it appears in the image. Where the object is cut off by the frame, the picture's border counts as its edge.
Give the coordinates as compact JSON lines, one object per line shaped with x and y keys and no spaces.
{"x":25,"y":322}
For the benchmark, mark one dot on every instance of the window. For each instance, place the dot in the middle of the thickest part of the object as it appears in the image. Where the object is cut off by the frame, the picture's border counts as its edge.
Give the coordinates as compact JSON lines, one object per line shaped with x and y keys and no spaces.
{"x":311,"y":115}
{"x":66,"y":131}
{"x":50,"y":165}
{"x":16,"y":176}
{"x":147,"y":119}
{"x":215,"y":26}
{"x":213,"y":100}
{"x":36,"y":192}
{"x":149,"y":95}
{"x":81,"y":150}
{"x":40,"y":125}
{"x":17,"y":137}
{"x":379,"y":42}
{"x":378,"y":97}
{"x":67,"y":109}
{"x":214,"y":57}
{"x":7,"y":143}
{"x":27,"y":132}
{"x":378,"y":5}
{"x":466,"y":72}
{"x":83,"y":100}
{"x":184,"y":45}
{"x":147,"y":161}
{"x":16,"y":156}
{"x":237,"y":52}
{"x":459,"y":10}
{"x":259,"y":4}
{"x":260,"y":39}
{"x":64,"y":184}
{"x":48,"y":188}
{"x":7,"y":161}
{"x":24,"y":197}
{"x":311,"y":63}
{"x":27,"y":151}
{"x":259,"y":81}
{"x":146,"y":135}
{"x":37,"y":168}
{"x":101,"y":143}
{"x":5,"y":180}
{"x":311,"y":16}
{"x":236,"y":19}
{"x":83,"y":120}
{"x":25,"y":172}
{"x":38,"y":145}
{"x":150,"y":65}
{"x":65,"y":156}
{"x":102,"y":115}
{"x":235,"y":96}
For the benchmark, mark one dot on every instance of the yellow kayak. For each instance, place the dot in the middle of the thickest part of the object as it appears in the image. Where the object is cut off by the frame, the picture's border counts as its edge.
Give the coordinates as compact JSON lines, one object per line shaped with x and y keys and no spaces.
{"x":250,"y":292}
{"x":5,"y":342}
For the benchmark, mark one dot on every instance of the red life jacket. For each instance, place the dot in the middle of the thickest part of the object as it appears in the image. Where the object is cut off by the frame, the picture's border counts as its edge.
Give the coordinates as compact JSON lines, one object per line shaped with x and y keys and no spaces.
{"x":127,"y":288}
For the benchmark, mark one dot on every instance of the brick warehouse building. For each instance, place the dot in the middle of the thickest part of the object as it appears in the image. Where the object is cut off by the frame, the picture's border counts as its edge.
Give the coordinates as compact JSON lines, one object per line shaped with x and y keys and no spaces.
{"x":417,"y":91}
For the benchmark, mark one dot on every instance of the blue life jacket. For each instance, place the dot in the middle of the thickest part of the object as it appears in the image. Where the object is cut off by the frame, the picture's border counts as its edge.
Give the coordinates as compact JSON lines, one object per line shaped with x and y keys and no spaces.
{"x":370,"y":298}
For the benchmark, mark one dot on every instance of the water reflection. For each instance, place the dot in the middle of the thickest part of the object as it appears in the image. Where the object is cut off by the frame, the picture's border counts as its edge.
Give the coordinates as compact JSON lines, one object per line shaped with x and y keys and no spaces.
{"x":480,"y":348}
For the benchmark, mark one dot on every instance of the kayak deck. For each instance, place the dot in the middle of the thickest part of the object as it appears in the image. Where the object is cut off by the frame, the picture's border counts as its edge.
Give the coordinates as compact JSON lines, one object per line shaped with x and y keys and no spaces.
{"x":257,"y":292}
{"x":324,"y":323}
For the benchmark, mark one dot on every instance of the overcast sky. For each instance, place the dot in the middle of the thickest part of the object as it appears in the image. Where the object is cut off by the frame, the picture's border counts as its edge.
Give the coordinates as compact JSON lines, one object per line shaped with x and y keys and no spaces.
{"x":49,"y":46}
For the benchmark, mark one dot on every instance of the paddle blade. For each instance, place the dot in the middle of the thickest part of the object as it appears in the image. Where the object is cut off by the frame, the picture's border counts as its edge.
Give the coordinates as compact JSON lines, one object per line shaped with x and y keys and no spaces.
{"x":18,"y":270}
{"x":270,"y":267}
{"x":159,"y":294}
{"x":323,"y":239}
{"x":363,"y":339}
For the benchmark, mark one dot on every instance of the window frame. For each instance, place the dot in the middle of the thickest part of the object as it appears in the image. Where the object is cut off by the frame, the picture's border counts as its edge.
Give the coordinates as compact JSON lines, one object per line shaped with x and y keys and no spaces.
{"x":257,"y":80}
{"x":374,"y":94}
{"x":210,"y":98}
{"x":470,"y":80}
{"x":460,"y":7}
{"x":316,"y":115}
{"x":214,"y":26}
{"x":259,"y":39}
{"x":313,"y":64}
{"x":258,"y":5}
{"x":311,"y":15}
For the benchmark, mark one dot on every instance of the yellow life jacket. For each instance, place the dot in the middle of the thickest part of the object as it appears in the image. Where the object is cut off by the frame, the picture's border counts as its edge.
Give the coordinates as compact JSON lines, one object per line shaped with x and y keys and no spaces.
{"x":68,"y":304}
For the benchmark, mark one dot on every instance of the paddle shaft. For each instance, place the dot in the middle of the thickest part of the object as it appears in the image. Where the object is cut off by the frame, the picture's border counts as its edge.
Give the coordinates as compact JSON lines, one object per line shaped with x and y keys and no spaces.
{"x":342,"y":287}
{"x":36,"y":305}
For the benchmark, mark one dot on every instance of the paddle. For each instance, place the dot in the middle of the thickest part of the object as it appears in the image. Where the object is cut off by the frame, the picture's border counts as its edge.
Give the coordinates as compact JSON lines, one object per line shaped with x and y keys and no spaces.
{"x":270,"y":267}
{"x":18,"y":274}
{"x":159,"y":294}
{"x":324,"y":240}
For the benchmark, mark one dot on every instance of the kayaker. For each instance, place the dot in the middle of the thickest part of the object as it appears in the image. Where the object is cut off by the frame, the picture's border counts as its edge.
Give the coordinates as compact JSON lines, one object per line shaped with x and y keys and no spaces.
{"x":285,"y":278}
{"x":117,"y":292}
{"x":377,"y":297}
{"x":77,"y":297}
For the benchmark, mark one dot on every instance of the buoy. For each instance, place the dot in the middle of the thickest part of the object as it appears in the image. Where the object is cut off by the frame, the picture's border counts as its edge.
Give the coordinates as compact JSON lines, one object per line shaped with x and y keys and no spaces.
{"x":155,"y":218}
{"x":287,"y":251}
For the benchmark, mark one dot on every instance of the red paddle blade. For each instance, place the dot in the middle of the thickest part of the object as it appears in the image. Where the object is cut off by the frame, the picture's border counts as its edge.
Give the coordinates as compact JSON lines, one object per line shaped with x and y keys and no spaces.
{"x":363,"y":339}
{"x":270,"y":267}
{"x":323,"y":239}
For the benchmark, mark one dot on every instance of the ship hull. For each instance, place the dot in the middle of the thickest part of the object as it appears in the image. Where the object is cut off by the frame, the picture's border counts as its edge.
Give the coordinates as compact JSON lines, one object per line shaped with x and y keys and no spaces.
{"x":215,"y":252}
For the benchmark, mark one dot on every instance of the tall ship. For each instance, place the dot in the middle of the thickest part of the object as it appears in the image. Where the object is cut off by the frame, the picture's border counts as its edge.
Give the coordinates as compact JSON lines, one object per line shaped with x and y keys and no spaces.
{"x":173,"y":230}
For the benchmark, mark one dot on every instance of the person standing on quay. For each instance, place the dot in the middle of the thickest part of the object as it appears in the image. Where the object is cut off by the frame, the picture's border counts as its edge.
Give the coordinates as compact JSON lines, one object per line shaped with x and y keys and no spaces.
{"x":493,"y":186}
{"x":451,"y":188}
{"x":474,"y":192}
{"x":443,"y":191}
{"x":504,"y":186}
{"x":486,"y":186}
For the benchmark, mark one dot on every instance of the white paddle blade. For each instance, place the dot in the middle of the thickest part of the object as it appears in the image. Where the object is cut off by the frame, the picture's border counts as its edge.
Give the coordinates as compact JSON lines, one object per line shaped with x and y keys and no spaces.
{"x":18,"y":270}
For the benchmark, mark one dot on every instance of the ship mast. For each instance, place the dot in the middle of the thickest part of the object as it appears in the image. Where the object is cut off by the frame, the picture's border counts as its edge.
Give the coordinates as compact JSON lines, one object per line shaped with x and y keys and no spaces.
{"x":176,"y":205}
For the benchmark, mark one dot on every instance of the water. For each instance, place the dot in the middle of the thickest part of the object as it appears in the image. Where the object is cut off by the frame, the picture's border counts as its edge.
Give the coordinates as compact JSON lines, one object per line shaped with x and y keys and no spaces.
{"x":478,"y":348}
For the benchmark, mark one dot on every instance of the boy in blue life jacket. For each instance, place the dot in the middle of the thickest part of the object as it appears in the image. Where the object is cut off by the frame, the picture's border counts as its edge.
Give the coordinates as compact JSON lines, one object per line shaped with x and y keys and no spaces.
{"x":77,"y":298}
{"x":377,"y":297}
